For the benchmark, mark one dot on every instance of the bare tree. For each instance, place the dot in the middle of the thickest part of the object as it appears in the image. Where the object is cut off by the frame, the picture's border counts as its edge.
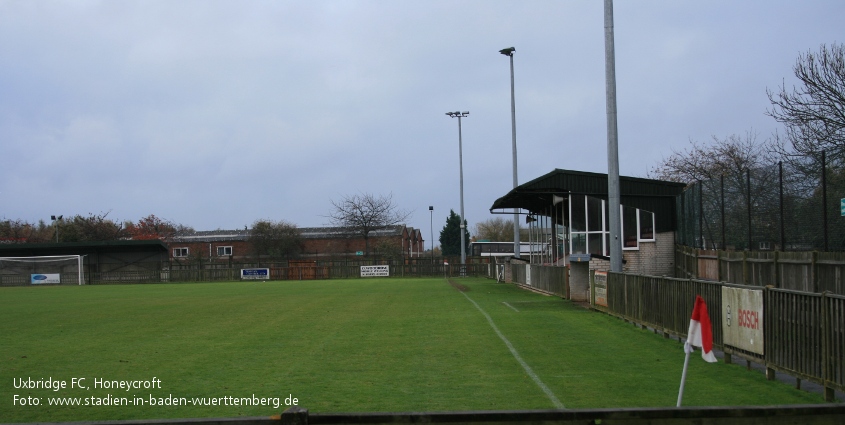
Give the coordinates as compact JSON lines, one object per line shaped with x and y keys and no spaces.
{"x":364,"y":213}
{"x":814,"y":113}
{"x":497,"y":229}
{"x":730,"y":157}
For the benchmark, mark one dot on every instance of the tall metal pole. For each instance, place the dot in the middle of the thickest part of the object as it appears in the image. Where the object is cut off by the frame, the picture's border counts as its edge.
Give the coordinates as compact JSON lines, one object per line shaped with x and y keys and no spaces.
{"x":460,"y":115}
{"x":431,"y":227}
{"x":780,"y":196}
{"x":613,"y":193}
{"x":463,"y":219}
{"x":516,"y":245}
{"x":824,"y":198}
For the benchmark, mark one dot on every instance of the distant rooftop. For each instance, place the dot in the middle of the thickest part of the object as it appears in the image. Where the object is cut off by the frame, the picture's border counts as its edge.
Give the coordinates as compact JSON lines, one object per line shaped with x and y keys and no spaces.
{"x":306,"y":232}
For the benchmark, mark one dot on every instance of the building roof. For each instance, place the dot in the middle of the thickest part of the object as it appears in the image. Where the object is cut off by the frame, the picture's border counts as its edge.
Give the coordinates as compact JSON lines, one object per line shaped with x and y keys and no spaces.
{"x":537,"y":195}
{"x":212,"y":236}
{"x":305,"y":232}
{"x":348,"y":232}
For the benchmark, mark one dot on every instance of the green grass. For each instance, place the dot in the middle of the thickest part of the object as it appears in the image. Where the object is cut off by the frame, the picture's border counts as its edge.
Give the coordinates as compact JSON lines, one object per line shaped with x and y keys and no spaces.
{"x":341,"y":346}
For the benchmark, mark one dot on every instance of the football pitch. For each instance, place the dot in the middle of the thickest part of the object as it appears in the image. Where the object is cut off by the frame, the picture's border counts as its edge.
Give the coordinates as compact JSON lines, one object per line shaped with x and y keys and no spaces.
{"x":72,"y":353}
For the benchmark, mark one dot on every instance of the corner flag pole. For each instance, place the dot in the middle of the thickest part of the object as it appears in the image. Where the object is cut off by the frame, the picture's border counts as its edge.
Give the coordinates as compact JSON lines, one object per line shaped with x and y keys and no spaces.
{"x":684,"y":374}
{"x":700,"y":334}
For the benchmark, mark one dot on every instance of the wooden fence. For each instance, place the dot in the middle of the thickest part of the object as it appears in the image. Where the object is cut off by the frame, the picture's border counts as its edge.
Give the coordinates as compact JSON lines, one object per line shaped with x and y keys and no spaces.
{"x":808,"y":271}
{"x":803,"y":333}
{"x":314,"y":271}
{"x":828,"y":414}
{"x":551,"y":280}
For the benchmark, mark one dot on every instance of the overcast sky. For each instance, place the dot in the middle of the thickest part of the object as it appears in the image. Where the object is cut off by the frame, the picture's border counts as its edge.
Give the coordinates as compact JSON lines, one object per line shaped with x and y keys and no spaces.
{"x":214,"y":114}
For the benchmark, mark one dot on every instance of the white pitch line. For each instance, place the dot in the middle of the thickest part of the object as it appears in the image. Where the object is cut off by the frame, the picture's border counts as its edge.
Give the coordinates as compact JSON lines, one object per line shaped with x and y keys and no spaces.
{"x":516,"y":355}
{"x":514,"y":308}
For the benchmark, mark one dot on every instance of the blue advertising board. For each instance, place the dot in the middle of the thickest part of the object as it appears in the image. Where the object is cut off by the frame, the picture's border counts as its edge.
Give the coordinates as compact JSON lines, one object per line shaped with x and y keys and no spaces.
{"x":255,"y":274}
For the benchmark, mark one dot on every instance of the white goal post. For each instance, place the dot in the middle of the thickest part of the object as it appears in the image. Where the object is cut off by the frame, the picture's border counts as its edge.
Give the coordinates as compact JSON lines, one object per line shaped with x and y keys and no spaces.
{"x":44,"y":269}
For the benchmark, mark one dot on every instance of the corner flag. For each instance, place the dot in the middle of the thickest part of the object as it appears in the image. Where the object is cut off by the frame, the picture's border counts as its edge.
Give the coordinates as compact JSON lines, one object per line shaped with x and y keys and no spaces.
{"x":700,"y":334}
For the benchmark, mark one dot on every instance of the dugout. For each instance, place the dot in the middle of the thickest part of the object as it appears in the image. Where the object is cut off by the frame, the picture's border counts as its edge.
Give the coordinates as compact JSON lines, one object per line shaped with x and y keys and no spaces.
{"x":122,"y":260}
{"x":567,"y":215}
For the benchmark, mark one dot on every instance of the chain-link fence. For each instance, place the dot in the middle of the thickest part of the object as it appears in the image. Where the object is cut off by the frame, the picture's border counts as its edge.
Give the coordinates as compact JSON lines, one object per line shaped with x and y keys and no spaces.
{"x":771,"y":208}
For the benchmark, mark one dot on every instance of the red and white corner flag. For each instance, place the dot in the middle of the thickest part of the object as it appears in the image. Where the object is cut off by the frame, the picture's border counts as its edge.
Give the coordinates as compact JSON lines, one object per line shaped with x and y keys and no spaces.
{"x":700,"y":331}
{"x":700,"y":335}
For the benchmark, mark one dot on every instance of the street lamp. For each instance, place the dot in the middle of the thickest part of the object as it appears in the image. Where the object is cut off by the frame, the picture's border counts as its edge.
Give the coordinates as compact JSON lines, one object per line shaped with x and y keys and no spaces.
{"x":460,"y":115}
{"x":431,"y":227}
{"x":516,"y":246}
{"x":56,"y":224}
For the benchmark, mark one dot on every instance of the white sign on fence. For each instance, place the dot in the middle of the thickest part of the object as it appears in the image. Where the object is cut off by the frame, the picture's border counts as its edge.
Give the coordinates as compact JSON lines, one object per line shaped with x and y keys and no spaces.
{"x":742,"y":318}
{"x":42,"y":278}
{"x":370,"y":271}
{"x":600,"y":281}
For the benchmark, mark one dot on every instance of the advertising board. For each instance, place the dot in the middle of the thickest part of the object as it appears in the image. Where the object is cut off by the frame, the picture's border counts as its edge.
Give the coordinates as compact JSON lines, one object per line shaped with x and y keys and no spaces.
{"x":255,"y":274}
{"x":374,"y":271}
{"x":600,"y":285}
{"x":742,"y":318}
{"x":45,"y":278}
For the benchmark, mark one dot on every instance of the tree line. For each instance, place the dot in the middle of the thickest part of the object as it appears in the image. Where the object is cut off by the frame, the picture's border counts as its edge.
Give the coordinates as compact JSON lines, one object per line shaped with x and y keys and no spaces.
{"x":88,"y":228}
{"x":813,"y":119}
{"x":784,"y":188}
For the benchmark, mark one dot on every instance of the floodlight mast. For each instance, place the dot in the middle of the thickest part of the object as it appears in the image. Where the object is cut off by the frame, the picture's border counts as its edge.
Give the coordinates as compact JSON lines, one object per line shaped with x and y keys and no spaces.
{"x":459,"y":115}
{"x":516,"y":245}
{"x":56,"y":225}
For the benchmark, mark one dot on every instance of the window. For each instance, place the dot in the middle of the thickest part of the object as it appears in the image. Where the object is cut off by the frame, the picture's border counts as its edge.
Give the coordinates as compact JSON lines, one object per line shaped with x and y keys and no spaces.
{"x":577,"y":220}
{"x":180,"y":252}
{"x":223,"y":251}
{"x":637,"y":226}
{"x":630,"y":238}
{"x":588,"y":230}
{"x":646,"y":225}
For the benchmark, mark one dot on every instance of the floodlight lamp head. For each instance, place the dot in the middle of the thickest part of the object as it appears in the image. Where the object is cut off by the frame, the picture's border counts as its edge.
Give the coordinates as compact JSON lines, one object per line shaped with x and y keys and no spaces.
{"x":431,"y":208}
{"x":508,"y":52}
{"x":52,"y":217}
{"x":465,"y":114}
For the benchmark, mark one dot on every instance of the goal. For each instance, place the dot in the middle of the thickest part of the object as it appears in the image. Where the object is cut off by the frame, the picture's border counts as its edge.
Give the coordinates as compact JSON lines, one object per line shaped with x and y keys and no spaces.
{"x":41,"y":270}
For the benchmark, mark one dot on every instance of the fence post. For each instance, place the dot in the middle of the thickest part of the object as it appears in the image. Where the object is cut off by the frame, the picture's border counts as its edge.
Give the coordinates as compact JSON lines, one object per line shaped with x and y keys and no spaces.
{"x":294,"y":415}
{"x":777,"y":269}
{"x":770,"y":373}
{"x":719,"y":265}
{"x":829,"y":393}
{"x":814,"y":271}
{"x":745,"y":267}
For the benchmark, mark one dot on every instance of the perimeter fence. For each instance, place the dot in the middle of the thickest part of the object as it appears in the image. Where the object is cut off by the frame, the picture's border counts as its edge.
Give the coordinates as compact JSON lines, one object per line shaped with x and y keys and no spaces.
{"x":780,"y":207}
{"x":803,"y":334}
{"x":285,"y":270}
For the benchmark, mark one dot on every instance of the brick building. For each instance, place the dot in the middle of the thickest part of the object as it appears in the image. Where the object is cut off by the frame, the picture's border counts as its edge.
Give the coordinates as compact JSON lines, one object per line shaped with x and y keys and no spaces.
{"x":317,"y":242}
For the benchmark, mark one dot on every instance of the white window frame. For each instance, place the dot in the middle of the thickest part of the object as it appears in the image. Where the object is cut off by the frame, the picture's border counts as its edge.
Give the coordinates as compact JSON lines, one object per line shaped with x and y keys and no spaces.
{"x":224,"y":249}
{"x":178,"y":252}
{"x":653,"y":227}
{"x":622,"y":225}
{"x":639,"y":226}
{"x":587,"y":232}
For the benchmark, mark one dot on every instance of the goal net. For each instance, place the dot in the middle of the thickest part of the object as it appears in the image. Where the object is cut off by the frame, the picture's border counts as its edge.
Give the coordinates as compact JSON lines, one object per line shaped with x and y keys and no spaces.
{"x":42,"y":270}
